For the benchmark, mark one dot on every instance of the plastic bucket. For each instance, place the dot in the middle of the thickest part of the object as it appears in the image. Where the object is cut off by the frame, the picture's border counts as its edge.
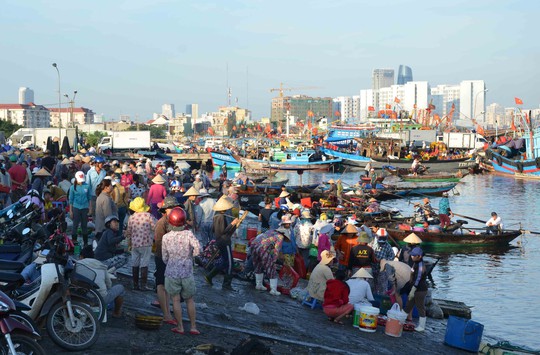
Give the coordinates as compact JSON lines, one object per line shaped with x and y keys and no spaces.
{"x":463,"y":334}
{"x":356,"y":317}
{"x":368,"y":319}
{"x":251,"y":234}
{"x":395,"y":321}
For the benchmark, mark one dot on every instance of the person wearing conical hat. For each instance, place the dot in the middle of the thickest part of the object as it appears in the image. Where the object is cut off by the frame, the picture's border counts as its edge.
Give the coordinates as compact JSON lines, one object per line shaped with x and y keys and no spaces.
{"x":320,"y":275}
{"x":346,"y":241}
{"x":223,"y":227}
{"x":373,"y":206}
{"x":192,"y":209}
{"x":404,"y":255}
{"x":303,"y":232}
{"x":156,"y":195}
{"x":40,"y":179}
{"x":362,"y":255}
{"x":206,"y":207}
{"x":360,"y":289}
{"x":332,"y":191}
{"x":265,"y":251}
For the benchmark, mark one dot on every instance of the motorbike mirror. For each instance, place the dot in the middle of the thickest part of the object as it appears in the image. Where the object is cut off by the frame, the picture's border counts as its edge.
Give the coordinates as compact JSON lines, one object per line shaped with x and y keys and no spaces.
{"x":10,"y":214}
{"x":26,"y":231}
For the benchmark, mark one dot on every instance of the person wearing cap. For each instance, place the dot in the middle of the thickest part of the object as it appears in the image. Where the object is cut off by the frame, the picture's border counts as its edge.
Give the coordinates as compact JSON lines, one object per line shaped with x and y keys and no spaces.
{"x":404,"y":255}
{"x":362,"y":255}
{"x":223,"y":227}
{"x":419,"y":288}
{"x":140,"y":234}
{"x":106,"y":246}
{"x":336,"y":298}
{"x":373,"y":206}
{"x":346,"y":241}
{"x":319,"y":276}
{"x":265,"y":251}
{"x":94,"y":177}
{"x":5,"y":186}
{"x":398,"y":275}
{"x":206,"y":208}
{"x":303,"y":232}
{"x":79,"y":200}
{"x":110,"y":293}
{"x":156,"y":194}
{"x":162,"y":228}
{"x":382,"y":250}
{"x":494,"y":224}
{"x":445,"y":213}
{"x":359,"y":287}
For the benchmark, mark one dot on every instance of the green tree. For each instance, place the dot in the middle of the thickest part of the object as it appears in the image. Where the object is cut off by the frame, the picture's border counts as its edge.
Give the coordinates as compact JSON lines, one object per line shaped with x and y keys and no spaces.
{"x":155,"y":131}
{"x":8,"y":128}
{"x":94,"y":138}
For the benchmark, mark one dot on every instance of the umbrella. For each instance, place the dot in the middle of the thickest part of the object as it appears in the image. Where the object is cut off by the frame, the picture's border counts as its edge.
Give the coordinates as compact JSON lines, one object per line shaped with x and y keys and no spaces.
{"x":65,"y":146}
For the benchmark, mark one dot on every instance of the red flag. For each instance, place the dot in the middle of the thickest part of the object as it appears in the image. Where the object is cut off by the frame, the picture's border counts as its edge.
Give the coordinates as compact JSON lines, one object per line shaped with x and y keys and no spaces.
{"x":513,"y":125}
{"x":388,"y":106}
{"x":527,"y":118}
{"x":337,"y":113}
{"x":315,"y":131}
{"x":518,"y":101}
{"x":268,"y":129}
{"x":480,"y":130}
{"x":210,"y":131}
{"x":259,"y":128}
{"x":371,"y":108}
{"x":396,"y":100}
{"x":310,"y":113}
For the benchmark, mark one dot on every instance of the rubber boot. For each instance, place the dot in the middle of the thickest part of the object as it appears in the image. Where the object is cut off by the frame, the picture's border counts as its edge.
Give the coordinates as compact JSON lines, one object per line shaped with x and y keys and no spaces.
{"x":259,"y":282}
{"x":135,"y":271}
{"x":421,"y":324}
{"x":144,"y":279}
{"x":227,"y":280}
{"x":273,"y":288}
{"x":208,"y":277}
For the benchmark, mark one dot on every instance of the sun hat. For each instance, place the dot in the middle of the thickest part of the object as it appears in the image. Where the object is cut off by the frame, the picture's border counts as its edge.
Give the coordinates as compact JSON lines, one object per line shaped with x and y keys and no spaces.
{"x":382,"y":232}
{"x":362,"y":273}
{"x":125,"y":168}
{"x":158,"y":179}
{"x":83,"y":151}
{"x":203,"y":192}
{"x":138,"y":205}
{"x":331,"y":181}
{"x":192,"y":192}
{"x":326,"y":257}
{"x":306,"y":214}
{"x":373,"y":199}
{"x":350,"y":229}
{"x":286,"y":219}
{"x":42,"y":172}
{"x":168,"y":202}
{"x":79,"y":176}
{"x":115,"y":162}
{"x":111,"y":217}
{"x":35,"y":170}
{"x":417,"y":252}
{"x":87,"y":159}
{"x":284,"y":194}
{"x":412,"y":239}
{"x":118,"y":171}
{"x":66,"y":161}
{"x":363,"y":238}
{"x":223,"y":204}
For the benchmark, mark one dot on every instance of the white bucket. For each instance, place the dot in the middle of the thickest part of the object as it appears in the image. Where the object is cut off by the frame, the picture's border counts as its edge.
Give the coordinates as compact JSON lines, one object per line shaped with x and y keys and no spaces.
{"x":356,"y":319}
{"x":368,"y":319}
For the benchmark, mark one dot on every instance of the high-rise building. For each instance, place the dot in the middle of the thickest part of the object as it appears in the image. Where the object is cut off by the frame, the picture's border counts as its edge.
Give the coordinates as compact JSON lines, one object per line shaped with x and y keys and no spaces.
{"x":348,"y":108}
{"x":366,"y":105}
{"x":444,"y":96}
{"x":167,"y":110}
{"x":404,"y":75}
{"x":495,"y":115}
{"x":300,"y":107}
{"x":472,"y":98}
{"x":381,"y":78}
{"x":26,"y":96}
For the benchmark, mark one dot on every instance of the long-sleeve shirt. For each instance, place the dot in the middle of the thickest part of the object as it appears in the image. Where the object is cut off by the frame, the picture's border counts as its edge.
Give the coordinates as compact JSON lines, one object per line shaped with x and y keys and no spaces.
{"x":178,"y":249}
{"x":221,"y":221}
{"x":93,"y":179}
{"x":206,"y":206}
{"x":336,"y":293}
{"x":104,"y":207}
{"x":360,"y":291}
{"x":140,"y":229}
{"x":80,"y":196}
{"x":106,"y":247}
{"x":162,"y":228}
{"x":418,"y":278}
{"x":156,"y":194}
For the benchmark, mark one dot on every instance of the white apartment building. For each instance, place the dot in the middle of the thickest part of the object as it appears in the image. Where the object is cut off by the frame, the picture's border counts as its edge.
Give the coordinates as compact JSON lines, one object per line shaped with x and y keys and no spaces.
{"x":444,"y":96}
{"x":28,"y":116}
{"x":495,"y":116}
{"x":414,"y":94}
{"x":80,"y":115}
{"x":472,"y":100}
{"x":348,"y":106}
{"x":167,"y":110}
{"x":367,"y":100}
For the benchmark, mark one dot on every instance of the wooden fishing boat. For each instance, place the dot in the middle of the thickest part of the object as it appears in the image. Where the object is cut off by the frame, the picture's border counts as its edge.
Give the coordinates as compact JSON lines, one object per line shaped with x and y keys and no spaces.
{"x":251,"y":172}
{"x":221,"y":157}
{"x":403,"y":171}
{"x":348,"y":158}
{"x":293,"y":160}
{"x":435,"y":177}
{"x":435,"y":241}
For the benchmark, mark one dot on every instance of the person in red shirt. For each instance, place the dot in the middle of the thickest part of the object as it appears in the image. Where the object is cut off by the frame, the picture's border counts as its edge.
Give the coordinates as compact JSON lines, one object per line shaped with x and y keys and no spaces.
{"x":346,"y":241}
{"x":336,"y":298}
{"x":19,"y":181}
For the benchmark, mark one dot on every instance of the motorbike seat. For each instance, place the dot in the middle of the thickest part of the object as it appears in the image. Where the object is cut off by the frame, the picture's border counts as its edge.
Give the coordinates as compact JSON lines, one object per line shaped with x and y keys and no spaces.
{"x":13,"y":266}
{"x":10,"y":249}
{"x":11,"y":277}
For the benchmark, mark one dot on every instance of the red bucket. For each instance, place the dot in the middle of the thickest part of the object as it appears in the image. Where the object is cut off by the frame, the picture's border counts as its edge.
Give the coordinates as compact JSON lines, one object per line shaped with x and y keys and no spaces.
{"x":251,"y":234}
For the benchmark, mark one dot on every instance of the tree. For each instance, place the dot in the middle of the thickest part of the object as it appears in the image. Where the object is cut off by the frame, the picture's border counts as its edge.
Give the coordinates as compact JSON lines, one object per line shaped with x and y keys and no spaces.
{"x":155,"y":131}
{"x":94,"y":138}
{"x":8,"y":128}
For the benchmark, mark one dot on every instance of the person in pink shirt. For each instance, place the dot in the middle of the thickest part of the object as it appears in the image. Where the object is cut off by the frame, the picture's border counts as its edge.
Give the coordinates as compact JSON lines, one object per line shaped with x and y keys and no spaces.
{"x":156,"y":195}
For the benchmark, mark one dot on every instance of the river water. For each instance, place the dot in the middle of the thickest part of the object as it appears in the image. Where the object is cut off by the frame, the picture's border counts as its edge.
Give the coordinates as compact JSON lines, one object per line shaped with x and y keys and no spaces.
{"x":500,"y":285}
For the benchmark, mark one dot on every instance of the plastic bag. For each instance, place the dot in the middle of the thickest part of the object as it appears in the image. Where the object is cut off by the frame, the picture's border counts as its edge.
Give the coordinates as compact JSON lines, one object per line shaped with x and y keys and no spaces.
{"x":250,"y":307}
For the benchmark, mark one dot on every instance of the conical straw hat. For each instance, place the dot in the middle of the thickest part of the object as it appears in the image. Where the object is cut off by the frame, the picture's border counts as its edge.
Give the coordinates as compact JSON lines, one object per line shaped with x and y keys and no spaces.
{"x":66,"y":161}
{"x":42,"y":172}
{"x":326,"y":257}
{"x":362,"y":273}
{"x":192,"y":192}
{"x":412,"y":239}
{"x":350,"y":229}
{"x":223,"y":204}
{"x":77,"y":157}
{"x":158,"y":180}
{"x":284,"y":194}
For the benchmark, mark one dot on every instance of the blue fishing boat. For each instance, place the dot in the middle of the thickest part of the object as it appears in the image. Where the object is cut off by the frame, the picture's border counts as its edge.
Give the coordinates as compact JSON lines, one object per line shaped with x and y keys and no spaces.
{"x":221,"y":157}
{"x":348,"y":158}
{"x":518,"y":158}
{"x":293,"y":160}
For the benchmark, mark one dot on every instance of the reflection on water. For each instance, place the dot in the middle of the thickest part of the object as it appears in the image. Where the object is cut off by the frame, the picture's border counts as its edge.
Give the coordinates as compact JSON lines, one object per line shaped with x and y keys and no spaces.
{"x":500,"y":284}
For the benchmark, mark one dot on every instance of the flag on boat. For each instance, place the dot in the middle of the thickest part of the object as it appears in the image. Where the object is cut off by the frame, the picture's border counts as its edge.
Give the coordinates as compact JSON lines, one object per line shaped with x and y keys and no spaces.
{"x":371,"y":108}
{"x":388,"y":106}
{"x":210,"y":131}
{"x":396,"y":100}
{"x":518,"y":101}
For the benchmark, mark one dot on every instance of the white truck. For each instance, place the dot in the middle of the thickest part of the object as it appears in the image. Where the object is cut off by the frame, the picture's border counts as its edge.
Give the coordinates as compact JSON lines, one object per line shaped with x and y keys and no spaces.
{"x":461,"y":140}
{"x":26,"y":138}
{"x":417,"y":135}
{"x":126,"y":140}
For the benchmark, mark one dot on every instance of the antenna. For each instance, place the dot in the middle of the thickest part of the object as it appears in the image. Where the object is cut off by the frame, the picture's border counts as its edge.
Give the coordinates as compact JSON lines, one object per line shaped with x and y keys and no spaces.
{"x":227,"y":100}
{"x":247,"y":88}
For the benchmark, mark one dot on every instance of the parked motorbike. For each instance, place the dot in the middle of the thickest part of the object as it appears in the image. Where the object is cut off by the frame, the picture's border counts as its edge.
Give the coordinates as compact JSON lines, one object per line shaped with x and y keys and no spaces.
{"x":17,"y":338}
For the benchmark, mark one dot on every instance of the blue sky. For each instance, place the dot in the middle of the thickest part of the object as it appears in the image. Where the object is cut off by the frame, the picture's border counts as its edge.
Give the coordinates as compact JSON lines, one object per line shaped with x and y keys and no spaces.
{"x":130,"y":57}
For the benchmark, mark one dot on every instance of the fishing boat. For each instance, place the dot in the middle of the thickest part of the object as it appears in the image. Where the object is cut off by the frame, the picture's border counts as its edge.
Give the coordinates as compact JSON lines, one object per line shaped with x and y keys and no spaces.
{"x":221,"y":157}
{"x":349,"y":159}
{"x":435,"y":177}
{"x":411,"y":189}
{"x":441,"y":240}
{"x":293,"y":160}
{"x":518,"y":158}
{"x":250,"y":172}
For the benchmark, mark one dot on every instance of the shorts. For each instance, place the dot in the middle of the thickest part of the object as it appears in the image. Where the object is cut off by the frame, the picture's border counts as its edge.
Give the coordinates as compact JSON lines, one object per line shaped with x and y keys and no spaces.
{"x":140,"y":257}
{"x":184,"y":287}
{"x":160,"y":271}
{"x":113,"y":293}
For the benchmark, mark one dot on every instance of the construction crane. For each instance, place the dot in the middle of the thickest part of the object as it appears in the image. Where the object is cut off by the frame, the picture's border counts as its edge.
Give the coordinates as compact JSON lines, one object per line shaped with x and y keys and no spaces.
{"x":281,"y":89}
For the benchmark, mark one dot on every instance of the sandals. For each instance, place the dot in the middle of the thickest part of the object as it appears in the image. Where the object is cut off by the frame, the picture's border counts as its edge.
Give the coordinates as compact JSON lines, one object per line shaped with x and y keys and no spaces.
{"x":194,"y":332}
{"x":171,"y":322}
{"x":177,"y":331}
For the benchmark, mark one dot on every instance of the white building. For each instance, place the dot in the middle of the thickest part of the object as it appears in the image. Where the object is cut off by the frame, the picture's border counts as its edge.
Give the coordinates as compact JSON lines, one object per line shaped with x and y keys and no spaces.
{"x":167,"y":110}
{"x":26,"y":96}
{"x":366,"y":101}
{"x":472,"y":100}
{"x":28,"y":116}
{"x":349,"y":107}
{"x":495,"y":116}
{"x":444,"y":96}
{"x":193,"y":110}
{"x":80,"y":115}
{"x":381,"y":78}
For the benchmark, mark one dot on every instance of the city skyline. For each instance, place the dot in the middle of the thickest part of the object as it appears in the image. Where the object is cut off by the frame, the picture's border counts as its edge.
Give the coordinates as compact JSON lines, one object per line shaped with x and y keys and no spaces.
{"x":132,"y":57}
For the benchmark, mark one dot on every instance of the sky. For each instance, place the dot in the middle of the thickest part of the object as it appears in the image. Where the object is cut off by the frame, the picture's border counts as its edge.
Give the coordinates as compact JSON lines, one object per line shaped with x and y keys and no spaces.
{"x":130,"y":57}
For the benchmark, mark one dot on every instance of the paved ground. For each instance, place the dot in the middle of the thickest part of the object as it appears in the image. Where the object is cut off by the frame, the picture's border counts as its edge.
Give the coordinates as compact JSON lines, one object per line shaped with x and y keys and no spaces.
{"x":283,"y":324}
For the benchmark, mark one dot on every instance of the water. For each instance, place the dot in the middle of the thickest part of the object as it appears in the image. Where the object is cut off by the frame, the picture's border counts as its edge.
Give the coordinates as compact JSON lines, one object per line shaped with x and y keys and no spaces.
{"x":501,"y":285}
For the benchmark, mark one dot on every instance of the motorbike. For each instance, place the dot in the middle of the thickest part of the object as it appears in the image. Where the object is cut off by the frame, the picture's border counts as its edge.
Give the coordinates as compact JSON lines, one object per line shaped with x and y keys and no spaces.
{"x":17,"y":338}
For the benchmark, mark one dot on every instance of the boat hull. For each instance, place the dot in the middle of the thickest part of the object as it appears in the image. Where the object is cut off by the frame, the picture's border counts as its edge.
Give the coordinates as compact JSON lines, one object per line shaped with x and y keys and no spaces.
{"x":519,"y":169}
{"x":433,"y":165}
{"x":347,"y":158}
{"x":219,"y":158}
{"x":291,"y":166}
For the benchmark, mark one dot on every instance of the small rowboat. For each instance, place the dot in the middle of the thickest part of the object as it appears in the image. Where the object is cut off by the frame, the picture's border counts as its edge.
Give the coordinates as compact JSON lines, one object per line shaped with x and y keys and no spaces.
{"x":436,"y":177}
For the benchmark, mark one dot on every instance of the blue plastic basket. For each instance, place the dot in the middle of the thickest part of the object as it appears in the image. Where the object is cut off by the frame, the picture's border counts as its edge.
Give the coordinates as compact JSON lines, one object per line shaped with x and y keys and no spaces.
{"x":463,"y":334}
